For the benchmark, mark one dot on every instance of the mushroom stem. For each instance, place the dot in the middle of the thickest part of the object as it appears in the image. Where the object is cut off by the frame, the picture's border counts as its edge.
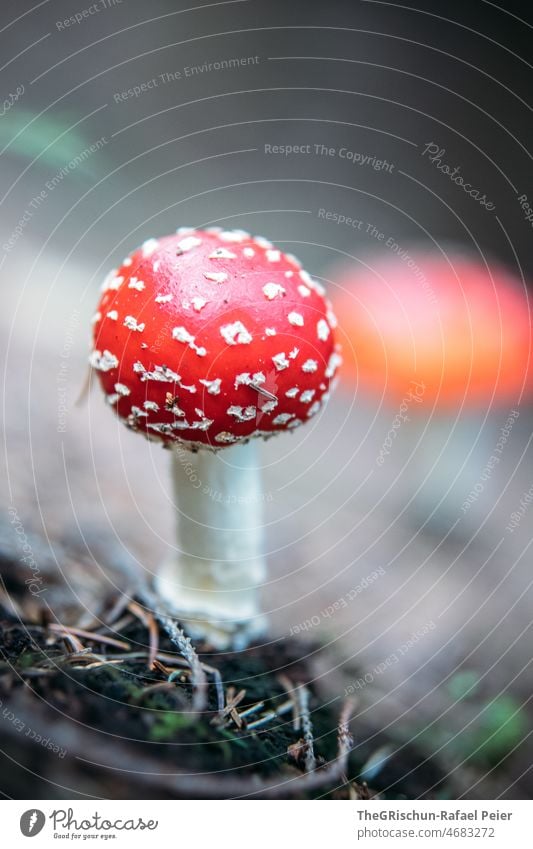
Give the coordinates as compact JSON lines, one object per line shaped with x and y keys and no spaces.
{"x":213,"y":581}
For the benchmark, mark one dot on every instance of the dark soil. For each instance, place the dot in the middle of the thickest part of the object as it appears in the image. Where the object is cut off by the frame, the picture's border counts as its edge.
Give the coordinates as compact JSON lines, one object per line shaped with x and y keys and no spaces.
{"x":81,"y":716}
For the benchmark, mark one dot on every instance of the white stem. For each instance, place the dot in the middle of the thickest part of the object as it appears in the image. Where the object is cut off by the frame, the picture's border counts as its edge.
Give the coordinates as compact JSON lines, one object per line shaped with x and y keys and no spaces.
{"x":214,"y":580}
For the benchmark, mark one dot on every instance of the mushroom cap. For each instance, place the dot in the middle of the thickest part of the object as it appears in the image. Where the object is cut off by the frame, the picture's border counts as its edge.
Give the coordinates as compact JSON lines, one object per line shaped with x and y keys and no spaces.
{"x":460,"y":329}
{"x":210,"y":337}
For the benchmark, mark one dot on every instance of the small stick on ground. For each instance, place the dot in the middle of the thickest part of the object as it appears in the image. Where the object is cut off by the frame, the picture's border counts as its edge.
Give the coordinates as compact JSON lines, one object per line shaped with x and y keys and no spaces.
{"x":151,"y":625}
{"x":118,"y":608}
{"x":270,"y":715}
{"x":232,"y":700}
{"x":185,"y":647}
{"x":75,"y":644}
{"x":90,"y":635}
{"x":307,"y":728}
{"x":244,"y":714}
{"x":287,"y":684}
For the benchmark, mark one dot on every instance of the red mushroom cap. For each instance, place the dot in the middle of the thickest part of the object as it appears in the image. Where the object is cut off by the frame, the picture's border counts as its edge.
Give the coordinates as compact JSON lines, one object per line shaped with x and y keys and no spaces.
{"x":459,"y":329}
{"x":209,"y":337}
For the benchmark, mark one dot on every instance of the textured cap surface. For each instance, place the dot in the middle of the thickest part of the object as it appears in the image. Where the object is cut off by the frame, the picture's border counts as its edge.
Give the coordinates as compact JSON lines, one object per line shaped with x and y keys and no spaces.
{"x":209,"y":337}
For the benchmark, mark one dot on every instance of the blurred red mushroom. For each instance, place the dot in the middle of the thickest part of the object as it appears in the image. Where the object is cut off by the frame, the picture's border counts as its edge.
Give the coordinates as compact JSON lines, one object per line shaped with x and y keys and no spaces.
{"x":204,"y":340}
{"x":459,"y":328}
{"x":451,"y":333}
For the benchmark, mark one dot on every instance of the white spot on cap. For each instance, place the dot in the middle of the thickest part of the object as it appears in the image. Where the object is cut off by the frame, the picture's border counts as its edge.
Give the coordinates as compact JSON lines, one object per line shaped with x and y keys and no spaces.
{"x":110,"y":278}
{"x":235,"y":334}
{"x":112,"y":399}
{"x":296,"y":319}
{"x":313,"y":409}
{"x":137,"y":412}
{"x":304,"y":291}
{"x":273,"y":255}
{"x":160,"y":374}
{"x":113,"y":315}
{"x":310,"y":366}
{"x":241,"y":379}
{"x":222,"y":253}
{"x":313,"y":284}
{"x":189,"y":242}
{"x":163,"y":299}
{"x":205,"y":424}
{"x":262,"y":242}
{"x":246,"y":379}
{"x":268,"y":406}
{"x":294,"y":353}
{"x":131,"y":323}
{"x":307,"y":396}
{"x":273,"y":290}
{"x":225,"y":437}
{"x":280,"y":361}
{"x":138,"y":367}
{"x":185,"y":231}
{"x":331,"y":317}
{"x":289,"y":273}
{"x":216,"y":276}
{"x":292,"y":393}
{"x":103,"y":361}
{"x":234,"y":235}
{"x":294,"y":259}
{"x":242,"y":414}
{"x":333,"y":363}
{"x":149,"y":246}
{"x":322,"y":330}
{"x":136,"y":284}
{"x":295,"y":423}
{"x":248,"y":252}
{"x":198,"y":303}
{"x":283,"y":418}
{"x":156,"y":265}
{"x":96,"y":317}
{"x":122,"y":389}
{"x":213,"y":386}
{"x":160,"y":427}
{"x":181,"y":334}
{"x":127,"y":261}
{"x":153,"y":406}
{"x":270,"y":331}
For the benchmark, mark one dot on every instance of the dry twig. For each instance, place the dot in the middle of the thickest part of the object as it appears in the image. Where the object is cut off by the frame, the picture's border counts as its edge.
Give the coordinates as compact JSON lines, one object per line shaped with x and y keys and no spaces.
{"x":151,"y":625}
{"x":307,"y":727}
{"x":90,"y":635}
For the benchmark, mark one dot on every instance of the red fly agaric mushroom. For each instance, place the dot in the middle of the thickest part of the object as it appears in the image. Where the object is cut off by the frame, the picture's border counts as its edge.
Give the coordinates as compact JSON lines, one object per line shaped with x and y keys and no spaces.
{"x":202,"y":341}
{"x":448,"y":337}
{"x":452,"y":324}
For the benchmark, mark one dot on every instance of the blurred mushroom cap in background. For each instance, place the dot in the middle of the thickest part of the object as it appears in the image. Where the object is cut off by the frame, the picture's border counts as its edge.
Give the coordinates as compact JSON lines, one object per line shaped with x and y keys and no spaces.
{"x":458,"y":326}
